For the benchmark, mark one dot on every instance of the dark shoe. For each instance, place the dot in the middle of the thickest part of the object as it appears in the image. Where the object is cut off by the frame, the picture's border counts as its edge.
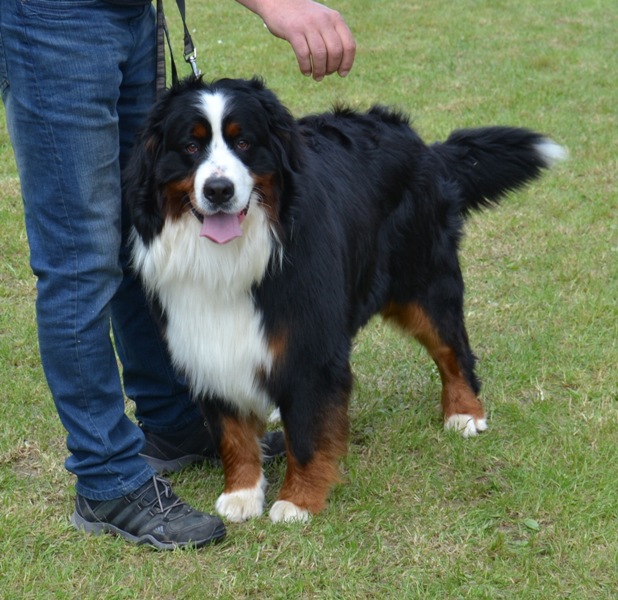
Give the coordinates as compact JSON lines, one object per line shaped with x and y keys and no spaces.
{"x":273,"y":445}
{"x":152,"y":514}
{"x":170,"y":452}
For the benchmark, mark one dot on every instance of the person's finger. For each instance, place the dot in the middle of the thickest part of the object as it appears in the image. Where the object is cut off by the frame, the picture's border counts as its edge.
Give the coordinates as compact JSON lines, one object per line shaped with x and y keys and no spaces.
{"x":334,"y":51}
{"x":303,"y":53}
{"x":349,"y":49}
{"x":319,"y":55}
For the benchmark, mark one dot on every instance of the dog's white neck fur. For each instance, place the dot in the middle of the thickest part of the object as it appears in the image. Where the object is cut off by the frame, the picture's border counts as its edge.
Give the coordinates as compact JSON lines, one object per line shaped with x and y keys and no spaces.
{"x":214,"y":331}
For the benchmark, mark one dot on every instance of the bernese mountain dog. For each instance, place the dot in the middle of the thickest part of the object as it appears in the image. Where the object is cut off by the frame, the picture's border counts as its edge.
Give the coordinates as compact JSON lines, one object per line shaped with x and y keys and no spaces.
{"x":266,"y":243}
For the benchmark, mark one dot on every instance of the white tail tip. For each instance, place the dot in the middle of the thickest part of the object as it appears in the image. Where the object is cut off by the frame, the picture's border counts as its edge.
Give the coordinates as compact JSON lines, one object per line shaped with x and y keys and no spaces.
{"x":551,"y":153}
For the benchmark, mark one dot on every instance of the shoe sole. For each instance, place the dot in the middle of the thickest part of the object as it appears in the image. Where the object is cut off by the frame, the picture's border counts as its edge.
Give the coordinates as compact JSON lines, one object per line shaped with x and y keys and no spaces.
{"x":98,"y":528}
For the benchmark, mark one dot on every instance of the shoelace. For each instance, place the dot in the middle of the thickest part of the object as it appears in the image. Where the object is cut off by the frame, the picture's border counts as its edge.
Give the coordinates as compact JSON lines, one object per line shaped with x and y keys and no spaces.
{"x":167,"y":493}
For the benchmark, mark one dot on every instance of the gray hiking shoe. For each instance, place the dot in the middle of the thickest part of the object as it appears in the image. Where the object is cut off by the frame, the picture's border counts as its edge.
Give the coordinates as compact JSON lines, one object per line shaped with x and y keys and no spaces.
{"x":152,"y":515}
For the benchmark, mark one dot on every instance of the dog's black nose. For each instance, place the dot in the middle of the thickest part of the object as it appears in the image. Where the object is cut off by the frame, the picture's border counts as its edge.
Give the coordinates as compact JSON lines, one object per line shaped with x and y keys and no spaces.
{"x":218,"y":190}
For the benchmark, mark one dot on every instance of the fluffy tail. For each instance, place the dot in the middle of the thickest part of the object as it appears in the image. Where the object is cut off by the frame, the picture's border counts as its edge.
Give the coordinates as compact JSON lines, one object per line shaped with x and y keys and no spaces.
{"x":489,"y":162}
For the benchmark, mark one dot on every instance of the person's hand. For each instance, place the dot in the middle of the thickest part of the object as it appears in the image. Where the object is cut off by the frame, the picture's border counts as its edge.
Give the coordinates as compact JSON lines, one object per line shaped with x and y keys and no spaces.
{"x":319,"y":36}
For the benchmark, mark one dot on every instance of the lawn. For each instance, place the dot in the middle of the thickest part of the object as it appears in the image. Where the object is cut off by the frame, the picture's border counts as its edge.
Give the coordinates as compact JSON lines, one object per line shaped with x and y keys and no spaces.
{"x":527,"y":510}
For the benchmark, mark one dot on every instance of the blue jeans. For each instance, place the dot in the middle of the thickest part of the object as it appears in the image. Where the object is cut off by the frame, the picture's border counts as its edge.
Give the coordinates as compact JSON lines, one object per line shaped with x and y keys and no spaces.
{"x":77,"y":78}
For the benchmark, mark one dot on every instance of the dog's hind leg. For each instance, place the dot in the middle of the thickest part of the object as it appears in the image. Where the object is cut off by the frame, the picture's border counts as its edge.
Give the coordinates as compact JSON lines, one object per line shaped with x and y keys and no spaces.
{"x":245,"y":485}
{"x":451,"y":352}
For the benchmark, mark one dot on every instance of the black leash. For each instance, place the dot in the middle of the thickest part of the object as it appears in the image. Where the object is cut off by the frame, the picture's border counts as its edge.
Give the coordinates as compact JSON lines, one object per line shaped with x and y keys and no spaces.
{"x":163,"y":35}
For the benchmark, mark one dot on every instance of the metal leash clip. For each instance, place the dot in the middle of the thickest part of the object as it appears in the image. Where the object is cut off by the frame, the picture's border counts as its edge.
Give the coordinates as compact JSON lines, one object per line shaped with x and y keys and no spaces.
{"x":191,"y":58}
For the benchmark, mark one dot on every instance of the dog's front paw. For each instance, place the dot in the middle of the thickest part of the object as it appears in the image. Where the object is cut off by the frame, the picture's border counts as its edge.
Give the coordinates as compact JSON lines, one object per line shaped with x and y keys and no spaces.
{"x":467,"y":425}
{"x":241,"y":505}
{"x":283,"y":511}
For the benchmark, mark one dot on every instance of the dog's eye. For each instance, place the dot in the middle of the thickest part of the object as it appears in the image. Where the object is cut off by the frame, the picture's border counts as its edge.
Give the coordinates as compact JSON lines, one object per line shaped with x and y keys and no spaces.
{"x":192,"y":148}
{"x":242,"y":144}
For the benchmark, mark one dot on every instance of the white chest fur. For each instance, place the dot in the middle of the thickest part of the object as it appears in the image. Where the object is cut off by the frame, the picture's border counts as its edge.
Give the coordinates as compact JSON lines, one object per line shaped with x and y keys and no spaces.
{"x":214,"y":332}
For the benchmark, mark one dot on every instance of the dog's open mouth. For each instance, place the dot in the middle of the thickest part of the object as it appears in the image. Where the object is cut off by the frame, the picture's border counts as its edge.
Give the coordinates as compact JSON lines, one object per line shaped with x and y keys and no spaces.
{"x":221,"y":227}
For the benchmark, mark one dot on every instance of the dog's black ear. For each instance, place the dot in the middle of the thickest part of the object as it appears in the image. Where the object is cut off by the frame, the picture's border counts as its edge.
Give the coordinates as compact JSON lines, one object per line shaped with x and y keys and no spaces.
{"x":286,"y":138}
{"x":141,"y":190}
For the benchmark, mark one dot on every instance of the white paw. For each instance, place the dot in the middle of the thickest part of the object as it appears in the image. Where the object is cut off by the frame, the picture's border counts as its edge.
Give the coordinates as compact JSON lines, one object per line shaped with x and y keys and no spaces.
{"x":283,"y":511}
{"x":243,"y":504}
{"x":467,"y":425}
{"x":275,"y":416}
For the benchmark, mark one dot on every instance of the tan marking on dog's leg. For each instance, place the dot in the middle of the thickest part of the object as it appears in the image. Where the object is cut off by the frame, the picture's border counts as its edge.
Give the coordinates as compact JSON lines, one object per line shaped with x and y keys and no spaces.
{"x":461,"y":407}
{"x":243,"y":496}
{"x":306,"y":486}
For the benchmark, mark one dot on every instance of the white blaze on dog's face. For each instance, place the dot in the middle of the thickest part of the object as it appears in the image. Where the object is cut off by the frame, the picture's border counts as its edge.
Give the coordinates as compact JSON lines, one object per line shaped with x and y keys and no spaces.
{"x":223,"y":184}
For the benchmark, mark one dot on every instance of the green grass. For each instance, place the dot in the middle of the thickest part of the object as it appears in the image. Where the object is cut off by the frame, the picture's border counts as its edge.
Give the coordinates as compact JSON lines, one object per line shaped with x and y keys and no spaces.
{"x":526,"y":511}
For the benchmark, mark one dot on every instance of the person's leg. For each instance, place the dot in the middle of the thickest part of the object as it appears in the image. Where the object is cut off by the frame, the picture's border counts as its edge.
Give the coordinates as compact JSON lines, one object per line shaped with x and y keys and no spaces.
{"x":61,"y":95}
{"x":72,"y":110}
{"x":61,"y":107}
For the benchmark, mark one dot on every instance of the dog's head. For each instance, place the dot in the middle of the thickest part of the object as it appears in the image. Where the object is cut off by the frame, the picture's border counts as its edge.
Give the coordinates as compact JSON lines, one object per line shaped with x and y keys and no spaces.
{"x":215,"y":150}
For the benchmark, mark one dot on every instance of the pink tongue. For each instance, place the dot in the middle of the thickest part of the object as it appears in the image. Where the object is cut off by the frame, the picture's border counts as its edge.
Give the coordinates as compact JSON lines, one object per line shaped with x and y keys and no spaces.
{"x":221,"y":228}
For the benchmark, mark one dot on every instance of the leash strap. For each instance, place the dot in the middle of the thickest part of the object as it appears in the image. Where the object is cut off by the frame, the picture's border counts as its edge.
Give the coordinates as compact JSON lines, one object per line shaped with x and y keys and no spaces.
{"x":163,"y":37}
{"x":190,"y":53}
